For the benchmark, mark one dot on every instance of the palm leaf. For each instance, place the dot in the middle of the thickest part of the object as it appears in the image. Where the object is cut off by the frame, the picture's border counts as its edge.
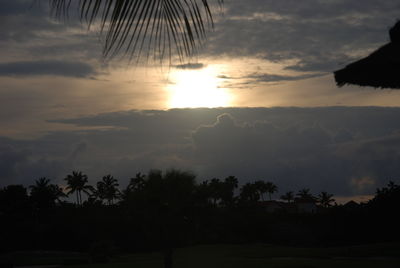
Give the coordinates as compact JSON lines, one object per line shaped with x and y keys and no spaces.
{"x":162,"y":27}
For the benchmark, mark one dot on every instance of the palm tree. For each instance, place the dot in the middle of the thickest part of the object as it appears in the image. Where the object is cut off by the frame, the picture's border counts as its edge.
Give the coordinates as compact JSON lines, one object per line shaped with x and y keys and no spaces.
{"x":41,"y":193}
{"x":228,"y":190}
{"x":133,"y":25}
{"x":305,"y":194}
{"x":271,"y":189}
{"x":325,"y":199}
{"x":45,"y":194}
{"x":289,"y":196}
{"x":107,"y":189}
{"x":40,"y":185}
{"x":57,"y":191}
{"x":215,"y":186}
{"x":262,"y":188}
{"x":77,"y":182}
{"x":392,"y":186}
{"x":137,"y":183}
{"x":249,"y":193}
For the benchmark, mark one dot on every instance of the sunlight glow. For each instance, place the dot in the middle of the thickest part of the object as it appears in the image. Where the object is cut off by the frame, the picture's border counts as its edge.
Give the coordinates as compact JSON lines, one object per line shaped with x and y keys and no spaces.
{"x":197,"y":88}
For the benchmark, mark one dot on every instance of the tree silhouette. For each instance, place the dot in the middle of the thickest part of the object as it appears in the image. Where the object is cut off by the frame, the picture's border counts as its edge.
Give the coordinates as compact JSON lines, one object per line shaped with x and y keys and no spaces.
{"x":261,"y":187}
{"x":137,"y":183}
{"x":325,"y":199}
{"x":227,"y":192}
{"x":133,"y":25}
{"x":304,"y":194}
{"x":203,"y":194}
{"x":44,"y":194}
{"x":170,"y":197}
{"x":215,"y":190}
{"x":107,"y":189}
{"x":165,"y":210}
{"x":249,"y":193}
{"x":265,"y":188}
{"x":14,"y":199}
{"x":288,"y":196}
{"x":77,"y":182}
{"x":271,"y":189}
{"x":386,"y":198}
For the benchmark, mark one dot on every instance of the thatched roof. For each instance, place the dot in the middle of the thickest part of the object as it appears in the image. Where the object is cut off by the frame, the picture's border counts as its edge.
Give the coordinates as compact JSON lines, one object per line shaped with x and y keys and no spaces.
{"x":381,"y":69}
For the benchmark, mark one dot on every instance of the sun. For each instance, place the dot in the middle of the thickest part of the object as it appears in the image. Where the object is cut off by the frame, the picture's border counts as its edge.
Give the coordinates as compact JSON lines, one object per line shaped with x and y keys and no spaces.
{"x":197,"y":88}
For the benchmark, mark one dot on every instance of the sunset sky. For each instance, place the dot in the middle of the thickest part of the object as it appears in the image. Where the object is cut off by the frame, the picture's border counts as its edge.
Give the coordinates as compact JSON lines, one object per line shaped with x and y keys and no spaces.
{"x":258,"y":101}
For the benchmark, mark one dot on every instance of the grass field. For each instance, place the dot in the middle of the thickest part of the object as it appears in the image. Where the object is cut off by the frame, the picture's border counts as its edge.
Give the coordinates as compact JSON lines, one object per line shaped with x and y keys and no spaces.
{"x":235,"y":256}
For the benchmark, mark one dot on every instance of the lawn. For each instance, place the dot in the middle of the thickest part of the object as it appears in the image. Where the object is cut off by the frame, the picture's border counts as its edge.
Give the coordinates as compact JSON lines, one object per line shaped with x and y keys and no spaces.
{"x":235,"y":256}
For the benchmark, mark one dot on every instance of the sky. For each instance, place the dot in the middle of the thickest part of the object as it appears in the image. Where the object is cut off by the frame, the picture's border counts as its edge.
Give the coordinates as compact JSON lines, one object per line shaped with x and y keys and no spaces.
{"x":258,"y":101}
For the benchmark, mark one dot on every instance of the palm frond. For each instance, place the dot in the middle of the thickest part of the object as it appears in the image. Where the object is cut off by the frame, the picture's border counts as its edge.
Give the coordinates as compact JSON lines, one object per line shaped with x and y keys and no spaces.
{"x":162,"y":27}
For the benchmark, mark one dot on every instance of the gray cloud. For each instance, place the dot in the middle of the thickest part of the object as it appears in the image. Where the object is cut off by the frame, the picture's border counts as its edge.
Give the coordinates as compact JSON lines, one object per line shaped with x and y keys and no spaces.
{"x":344,"y":150}
{"x":191,"y":66}
{"x":321,"y":35}
{"x":49,"y":67}
{"x":280,"y":78}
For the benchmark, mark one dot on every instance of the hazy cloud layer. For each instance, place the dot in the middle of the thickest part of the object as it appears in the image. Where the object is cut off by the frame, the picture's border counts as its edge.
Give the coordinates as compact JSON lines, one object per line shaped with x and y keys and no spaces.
{"x":51,"y":67}
{"x":320,"y":35}
{"x":342,"y":150}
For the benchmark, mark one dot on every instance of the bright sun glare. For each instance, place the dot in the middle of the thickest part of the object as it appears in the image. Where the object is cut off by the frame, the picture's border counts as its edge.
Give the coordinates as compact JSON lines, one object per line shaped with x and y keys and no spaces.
{"x":197,"y":88}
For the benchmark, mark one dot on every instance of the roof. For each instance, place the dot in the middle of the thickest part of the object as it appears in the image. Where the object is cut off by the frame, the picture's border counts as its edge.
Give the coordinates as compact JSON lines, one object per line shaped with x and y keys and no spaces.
{"x":381,"y":69}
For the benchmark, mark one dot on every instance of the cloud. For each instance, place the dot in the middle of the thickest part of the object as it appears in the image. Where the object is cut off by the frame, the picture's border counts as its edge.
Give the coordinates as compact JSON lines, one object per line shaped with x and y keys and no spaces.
{"x":47,"y":67}
{"x":333,"y":148}
{"x":191,"y":66}
{"x":11,"y":159}
{"x":363,"y":183}
{"x":280,"y":78}
{"x":320,"y":35}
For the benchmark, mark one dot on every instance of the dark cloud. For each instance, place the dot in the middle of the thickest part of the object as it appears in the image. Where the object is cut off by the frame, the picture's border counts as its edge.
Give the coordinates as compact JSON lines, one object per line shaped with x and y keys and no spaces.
{"x":11,"y":160}
{"x":321,"y":35}
{"x":344,"y":150}
{"x":191,"y":66}
{"x":49,"y":67}
{"x":33,"y":8}
{"x":280,"y":78}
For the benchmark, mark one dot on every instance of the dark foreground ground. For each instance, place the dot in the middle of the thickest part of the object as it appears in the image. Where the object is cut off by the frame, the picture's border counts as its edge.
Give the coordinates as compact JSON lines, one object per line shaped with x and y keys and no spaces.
{"x":232,"y":256}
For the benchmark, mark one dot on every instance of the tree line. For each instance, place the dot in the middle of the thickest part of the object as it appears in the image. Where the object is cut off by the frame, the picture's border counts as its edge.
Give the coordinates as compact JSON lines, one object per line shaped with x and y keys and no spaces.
{"x":162,"y":210}
{"x":214,"y":192}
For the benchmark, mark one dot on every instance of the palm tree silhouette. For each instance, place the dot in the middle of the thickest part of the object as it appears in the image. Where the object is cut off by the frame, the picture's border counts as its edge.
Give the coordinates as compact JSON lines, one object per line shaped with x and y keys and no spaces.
{"x":57,"y":191}
{"x":107,"y":189}
{"x":215,"y":188}
{"x":227,"y":192}
{"x":305,"y":194}
{"x":77,"y":182}
{"x":249,"y":193}
{"x":325,"y":199}
{"x":45,"y":194}
{"x":271,"y":189}
{"x":262,"y":188}
{"x":288,"y":196}
{"x":156,"y":25}
{"x":137,"y":183}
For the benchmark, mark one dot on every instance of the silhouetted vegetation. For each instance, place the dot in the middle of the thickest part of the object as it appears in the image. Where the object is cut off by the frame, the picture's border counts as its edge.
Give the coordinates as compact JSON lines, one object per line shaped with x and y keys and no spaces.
{"x":162,"y":28}
{"x":166,"y":210}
